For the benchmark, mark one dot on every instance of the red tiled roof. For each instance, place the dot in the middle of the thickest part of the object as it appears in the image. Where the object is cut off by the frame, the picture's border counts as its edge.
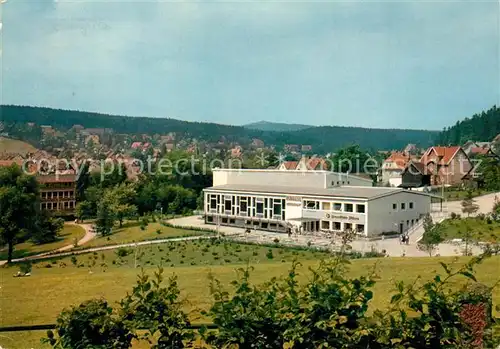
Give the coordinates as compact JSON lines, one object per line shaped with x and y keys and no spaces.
{"x":479,"y":150}
{"x":445,"y":154}
{"x":312,"y":164}
{"x":56,"y":178}
{"x":290,"y":165}
{"x":399,"y":159}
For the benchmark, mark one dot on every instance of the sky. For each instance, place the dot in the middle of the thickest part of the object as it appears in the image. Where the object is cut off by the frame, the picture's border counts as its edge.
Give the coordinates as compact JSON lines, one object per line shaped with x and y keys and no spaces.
{"x":387,"y":64}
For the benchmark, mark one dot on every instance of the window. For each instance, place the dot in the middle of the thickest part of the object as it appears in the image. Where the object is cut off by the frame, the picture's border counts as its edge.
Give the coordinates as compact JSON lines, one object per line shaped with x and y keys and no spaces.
{"x":243,"y":207}
{"x":347,"y":226}
{"x":311,"y":205}
{"x":337,"y":226}
{"x":360,"y":208}
{"x":264,"y":225}
{"x":44,"y":205}
{"x":227,"y":204}
{"x":410,"y":205}
{"x":325,"y":225}
{"x":348,"y":207}
{"x":276,"y":209}
{"x":213,"y":202}
{"x":360,"y":228}
{"x":348,"y":182}
{"x":403,"y":206}
{"x":337,"y":206}
{"x":338,"y":182}
{"x":407,"y":222}
{"x":260,"y":207}
{"x":326,"y":206}
{"x":394,"y":206}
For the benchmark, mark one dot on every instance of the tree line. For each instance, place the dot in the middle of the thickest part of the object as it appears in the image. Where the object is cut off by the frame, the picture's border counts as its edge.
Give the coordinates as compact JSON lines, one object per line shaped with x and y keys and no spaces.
{"x":323,"y":139}
{"x":482,"y":127}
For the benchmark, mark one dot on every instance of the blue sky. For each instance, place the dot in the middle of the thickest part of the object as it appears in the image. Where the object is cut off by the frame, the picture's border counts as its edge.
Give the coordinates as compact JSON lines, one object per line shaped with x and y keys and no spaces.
{"x":372,"y":64}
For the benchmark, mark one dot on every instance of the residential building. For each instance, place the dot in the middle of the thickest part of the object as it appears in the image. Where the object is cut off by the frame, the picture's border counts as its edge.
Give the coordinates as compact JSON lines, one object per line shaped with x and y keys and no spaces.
{"x":411,"y":149}
{"x":415,"y":175}
{"x":92,"y":138}
{"x":393,"y":167}
{"x":257,"y":143}
{"x":306,"y":148}
{"x":471,"y":148}
{"x":288,"y":165}
{"x":291,"y":148}
{"x":310,"y":201}
{"x":57,"y":193}
{"x":446,"y":165}
{"x":306,"y":163}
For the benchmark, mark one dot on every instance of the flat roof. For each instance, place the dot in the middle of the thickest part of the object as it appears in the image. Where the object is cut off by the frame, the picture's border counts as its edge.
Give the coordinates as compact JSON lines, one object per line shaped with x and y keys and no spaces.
{"x":340,"y":192}
{"x":302,"y":172}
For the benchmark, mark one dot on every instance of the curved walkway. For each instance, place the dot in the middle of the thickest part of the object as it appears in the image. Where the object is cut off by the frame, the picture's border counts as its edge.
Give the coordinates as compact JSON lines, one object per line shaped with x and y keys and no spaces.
{"x":89,"y":235}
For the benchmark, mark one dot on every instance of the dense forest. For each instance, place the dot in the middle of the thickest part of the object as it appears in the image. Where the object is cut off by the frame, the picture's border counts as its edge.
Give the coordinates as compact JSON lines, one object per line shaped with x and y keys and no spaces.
{"x":479,"y":128}
{"x":323,"y":139}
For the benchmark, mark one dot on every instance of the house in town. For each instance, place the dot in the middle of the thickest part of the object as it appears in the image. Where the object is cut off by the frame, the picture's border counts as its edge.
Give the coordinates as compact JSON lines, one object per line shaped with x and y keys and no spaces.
{"x":446,"y":165}
{"x":306,"y":148}
{"x":311,"y":164}
{"x":392,"y":168}
{"x":474,"y":148}
{"x":257,"y":143}
{"x":414,"y":175}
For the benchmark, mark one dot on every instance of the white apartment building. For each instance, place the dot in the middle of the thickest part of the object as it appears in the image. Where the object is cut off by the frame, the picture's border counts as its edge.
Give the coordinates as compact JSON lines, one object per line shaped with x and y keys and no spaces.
{"x":310,"y":201}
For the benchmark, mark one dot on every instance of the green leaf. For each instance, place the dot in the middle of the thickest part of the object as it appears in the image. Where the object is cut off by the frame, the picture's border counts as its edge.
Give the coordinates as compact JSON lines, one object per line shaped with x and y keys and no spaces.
{"x":396,"y":298}
{"x":468,"y":275}
{"x":445,"y":267}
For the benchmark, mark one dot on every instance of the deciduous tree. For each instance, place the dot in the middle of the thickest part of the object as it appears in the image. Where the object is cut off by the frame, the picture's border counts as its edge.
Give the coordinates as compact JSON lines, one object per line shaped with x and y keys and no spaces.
{"x":18,"y":206}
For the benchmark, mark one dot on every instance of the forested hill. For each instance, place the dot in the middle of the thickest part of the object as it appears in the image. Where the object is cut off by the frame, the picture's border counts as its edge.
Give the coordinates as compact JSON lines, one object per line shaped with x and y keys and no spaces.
{"x":323,"y":139}
{"x":480,"y":128}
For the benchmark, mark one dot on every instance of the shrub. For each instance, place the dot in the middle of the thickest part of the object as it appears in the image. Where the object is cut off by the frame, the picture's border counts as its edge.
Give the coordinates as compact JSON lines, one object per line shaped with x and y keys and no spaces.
{"x":25,"y":267}
{"x":123,"y":252}
{"x":276,"y":240}
{"x":158,"y":231}
{"x":74,"y":260}
{"x":269,"y":254}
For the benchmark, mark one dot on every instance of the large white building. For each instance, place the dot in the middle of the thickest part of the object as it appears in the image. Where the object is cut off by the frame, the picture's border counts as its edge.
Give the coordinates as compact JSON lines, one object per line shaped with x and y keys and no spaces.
{"x":310,"y":201}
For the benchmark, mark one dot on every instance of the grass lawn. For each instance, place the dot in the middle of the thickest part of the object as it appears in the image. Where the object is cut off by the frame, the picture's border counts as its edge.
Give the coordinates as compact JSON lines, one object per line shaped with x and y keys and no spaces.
{"x":9,"y":145}
{"x":479,"y":228}
{"x":457,"y":195}
{"x":131,"y":232}
{"x":66,"y":237}
{"x":40,"y":298}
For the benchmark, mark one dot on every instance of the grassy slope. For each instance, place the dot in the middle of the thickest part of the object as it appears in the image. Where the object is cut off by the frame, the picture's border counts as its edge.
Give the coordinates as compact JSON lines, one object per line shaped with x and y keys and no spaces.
{"x":9,"y":145}
{"x":479,"y":228}
{"x":66,"y":237}
{"x":57,"y":288}
{"x":131,"y":232}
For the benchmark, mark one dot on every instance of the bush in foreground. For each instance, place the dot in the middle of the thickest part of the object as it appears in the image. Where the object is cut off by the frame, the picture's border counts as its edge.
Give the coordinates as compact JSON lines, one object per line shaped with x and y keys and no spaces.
{"x":329,"y":311}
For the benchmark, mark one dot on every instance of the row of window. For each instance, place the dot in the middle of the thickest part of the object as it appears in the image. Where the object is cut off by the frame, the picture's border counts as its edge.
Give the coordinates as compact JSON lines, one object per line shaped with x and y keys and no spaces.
{"x":246,"y":206}
{"x":402,"y":206}
{"x":333,"y":206}
{"x":57,"y":205}
{"x":339,"y":226}
{"x":341,"y":182}
{"x":58,"y":194}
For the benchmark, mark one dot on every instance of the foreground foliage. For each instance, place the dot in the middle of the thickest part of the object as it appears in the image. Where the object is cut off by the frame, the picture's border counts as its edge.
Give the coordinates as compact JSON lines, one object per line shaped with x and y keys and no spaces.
{"x":329,"y":311}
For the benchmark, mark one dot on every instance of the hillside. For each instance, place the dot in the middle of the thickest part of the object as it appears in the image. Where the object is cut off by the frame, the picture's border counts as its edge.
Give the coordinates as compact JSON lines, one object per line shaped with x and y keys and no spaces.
{"x":323,"y":139}
{"x":8,"y":145}
{"x":276,"y":126}
{"x":480,"y":128}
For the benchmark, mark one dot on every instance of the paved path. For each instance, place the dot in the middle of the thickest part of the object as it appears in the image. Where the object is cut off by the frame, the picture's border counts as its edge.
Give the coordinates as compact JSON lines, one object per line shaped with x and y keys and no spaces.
{"x":89,"y":235}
